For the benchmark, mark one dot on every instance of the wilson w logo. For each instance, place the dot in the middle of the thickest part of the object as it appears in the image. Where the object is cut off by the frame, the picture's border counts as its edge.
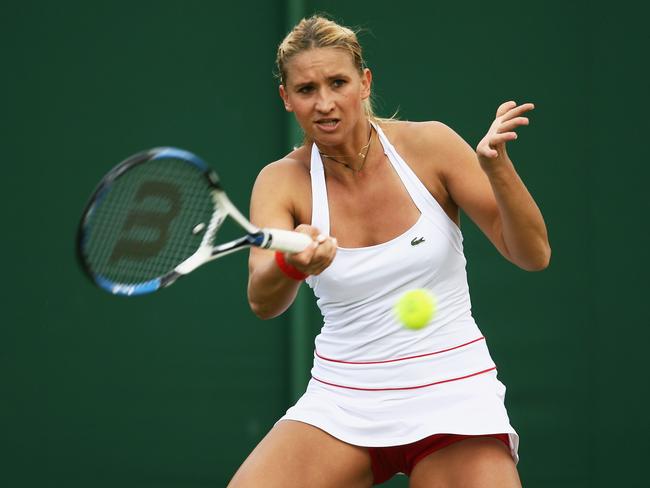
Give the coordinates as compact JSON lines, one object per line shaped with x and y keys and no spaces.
{"x":158,"y":220}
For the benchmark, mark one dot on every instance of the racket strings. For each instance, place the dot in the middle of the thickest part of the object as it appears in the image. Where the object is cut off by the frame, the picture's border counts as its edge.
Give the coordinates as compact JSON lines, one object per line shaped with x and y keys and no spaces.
{"x":149,"y":220}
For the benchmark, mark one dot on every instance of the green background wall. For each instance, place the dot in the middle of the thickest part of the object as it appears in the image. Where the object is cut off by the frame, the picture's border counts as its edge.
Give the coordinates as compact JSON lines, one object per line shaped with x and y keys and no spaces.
{"x":175,"y":389}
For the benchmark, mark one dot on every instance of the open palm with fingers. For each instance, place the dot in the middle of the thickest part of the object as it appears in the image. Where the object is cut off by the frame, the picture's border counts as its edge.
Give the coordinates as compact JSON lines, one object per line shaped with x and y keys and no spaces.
{"x":509,"y":117}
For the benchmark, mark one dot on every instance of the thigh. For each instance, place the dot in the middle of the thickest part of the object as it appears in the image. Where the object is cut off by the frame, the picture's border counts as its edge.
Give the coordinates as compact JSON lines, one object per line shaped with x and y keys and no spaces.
{"x":294,"y":454}
{"x":480,"y":462}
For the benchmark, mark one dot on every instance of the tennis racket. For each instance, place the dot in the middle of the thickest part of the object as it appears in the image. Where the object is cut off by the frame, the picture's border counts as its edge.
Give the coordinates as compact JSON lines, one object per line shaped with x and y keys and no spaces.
{"x":154,"y":217}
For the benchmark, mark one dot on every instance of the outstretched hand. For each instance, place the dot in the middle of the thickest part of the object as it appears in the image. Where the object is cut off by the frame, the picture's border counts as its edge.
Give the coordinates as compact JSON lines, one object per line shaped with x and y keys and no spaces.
{"x":509,"y":117}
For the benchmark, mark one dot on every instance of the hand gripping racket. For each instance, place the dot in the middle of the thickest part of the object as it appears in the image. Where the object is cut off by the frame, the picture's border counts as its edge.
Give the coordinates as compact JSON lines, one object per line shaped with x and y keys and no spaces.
{"x":154,"y":217}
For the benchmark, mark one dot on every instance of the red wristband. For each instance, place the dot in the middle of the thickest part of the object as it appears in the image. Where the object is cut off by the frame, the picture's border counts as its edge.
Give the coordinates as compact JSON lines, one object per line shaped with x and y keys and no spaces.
{"x":289,"y":270}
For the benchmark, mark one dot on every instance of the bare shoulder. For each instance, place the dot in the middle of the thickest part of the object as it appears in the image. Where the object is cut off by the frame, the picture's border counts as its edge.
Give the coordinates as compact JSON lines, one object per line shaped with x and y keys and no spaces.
{"x":437,"y":155}
{"x":283,"y":186}
{"x":423,"y":136}
{"x":293,"y":165}
{"x":432,"y":148}
{"x":285,"y":173}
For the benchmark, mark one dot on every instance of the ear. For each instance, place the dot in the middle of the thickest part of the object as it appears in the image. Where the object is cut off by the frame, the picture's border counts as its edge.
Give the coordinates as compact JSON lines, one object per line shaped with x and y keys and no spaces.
{"x":366,"y":83}
{"x":285,"y":98}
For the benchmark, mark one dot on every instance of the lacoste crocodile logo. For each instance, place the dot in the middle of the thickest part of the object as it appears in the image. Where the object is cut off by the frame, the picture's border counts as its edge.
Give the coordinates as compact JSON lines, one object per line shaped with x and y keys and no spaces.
{"x":417,"y":240}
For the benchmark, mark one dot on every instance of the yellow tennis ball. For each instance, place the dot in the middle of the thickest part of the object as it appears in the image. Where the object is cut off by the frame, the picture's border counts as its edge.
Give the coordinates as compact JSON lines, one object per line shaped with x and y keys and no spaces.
{"x":416,"y":308}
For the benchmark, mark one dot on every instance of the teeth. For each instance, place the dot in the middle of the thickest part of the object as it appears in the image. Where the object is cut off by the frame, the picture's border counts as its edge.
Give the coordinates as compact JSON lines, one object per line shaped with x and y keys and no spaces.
{"x":327,"y":122}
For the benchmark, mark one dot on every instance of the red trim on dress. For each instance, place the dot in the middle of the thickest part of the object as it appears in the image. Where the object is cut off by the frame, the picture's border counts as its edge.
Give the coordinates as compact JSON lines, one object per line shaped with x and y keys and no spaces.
{"x":399,"y":359}
{"x":406,"y":387}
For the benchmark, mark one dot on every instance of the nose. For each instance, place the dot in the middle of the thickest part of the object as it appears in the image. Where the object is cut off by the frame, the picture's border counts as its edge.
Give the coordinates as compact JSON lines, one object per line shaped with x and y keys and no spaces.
{"x":324,"y":102}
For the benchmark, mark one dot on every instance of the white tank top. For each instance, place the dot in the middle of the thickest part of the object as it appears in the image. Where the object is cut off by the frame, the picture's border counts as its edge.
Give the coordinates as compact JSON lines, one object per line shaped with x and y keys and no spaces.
{"x":361,"y":344}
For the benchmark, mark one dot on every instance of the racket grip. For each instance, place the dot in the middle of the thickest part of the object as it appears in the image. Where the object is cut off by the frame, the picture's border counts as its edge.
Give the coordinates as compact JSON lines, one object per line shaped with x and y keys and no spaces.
{"x":287,"y":240}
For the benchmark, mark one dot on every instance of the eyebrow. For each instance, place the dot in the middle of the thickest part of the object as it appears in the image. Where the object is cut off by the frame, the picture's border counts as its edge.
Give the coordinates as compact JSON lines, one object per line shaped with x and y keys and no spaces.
{"x":337,"y":76}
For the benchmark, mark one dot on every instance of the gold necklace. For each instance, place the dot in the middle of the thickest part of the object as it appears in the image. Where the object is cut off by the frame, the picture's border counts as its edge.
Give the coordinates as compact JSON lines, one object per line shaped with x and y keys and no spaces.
{"x":360,"y":154}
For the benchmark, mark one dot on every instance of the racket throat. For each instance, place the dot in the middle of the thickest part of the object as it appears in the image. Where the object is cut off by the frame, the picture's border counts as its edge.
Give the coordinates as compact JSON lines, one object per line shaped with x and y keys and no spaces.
{"x":201,"y":256}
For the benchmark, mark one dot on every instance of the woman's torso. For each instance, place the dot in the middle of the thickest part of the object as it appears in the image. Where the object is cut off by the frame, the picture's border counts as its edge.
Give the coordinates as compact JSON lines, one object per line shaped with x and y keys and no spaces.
{"x":361,"y":344}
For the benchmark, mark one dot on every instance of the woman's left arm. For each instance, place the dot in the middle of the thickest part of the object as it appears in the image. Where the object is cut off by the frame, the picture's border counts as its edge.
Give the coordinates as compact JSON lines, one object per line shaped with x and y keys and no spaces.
{"x":492,"y":193}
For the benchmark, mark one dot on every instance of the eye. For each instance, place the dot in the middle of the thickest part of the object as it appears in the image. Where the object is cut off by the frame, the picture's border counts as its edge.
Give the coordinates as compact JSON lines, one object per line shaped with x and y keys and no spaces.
{"x":338,"y":83}
{"x":305,"y":89}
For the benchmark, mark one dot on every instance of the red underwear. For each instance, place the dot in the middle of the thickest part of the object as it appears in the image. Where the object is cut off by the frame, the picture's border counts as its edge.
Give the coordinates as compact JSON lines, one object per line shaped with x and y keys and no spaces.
{"x":388,"y":461}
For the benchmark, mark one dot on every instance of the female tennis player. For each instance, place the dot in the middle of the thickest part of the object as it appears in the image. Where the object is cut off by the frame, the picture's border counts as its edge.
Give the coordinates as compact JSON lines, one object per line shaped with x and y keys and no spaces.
{"x":381,"y":200}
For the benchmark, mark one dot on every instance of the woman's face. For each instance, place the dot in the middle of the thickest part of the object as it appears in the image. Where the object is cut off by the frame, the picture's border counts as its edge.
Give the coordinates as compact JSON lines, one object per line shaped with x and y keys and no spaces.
{"x":325,"y":91}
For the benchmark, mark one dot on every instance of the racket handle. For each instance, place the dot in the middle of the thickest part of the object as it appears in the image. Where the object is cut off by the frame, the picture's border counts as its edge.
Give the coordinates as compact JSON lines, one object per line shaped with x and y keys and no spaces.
{"x":287,"y":240}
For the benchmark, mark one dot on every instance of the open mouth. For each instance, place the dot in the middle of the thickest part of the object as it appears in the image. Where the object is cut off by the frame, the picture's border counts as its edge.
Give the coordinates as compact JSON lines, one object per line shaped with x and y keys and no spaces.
{"x":327,"y":124}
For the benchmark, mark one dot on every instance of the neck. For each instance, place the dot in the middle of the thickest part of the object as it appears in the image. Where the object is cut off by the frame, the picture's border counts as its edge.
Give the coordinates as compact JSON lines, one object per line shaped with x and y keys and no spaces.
{"x":354,"y":162}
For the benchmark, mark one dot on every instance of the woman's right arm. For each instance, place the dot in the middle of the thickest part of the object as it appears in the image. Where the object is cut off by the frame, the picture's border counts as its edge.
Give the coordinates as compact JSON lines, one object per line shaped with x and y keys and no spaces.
{"x":273,"y":204}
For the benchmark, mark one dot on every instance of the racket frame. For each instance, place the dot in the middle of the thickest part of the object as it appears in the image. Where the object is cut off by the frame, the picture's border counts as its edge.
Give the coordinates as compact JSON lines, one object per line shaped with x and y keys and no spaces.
{"x":264,"y":238}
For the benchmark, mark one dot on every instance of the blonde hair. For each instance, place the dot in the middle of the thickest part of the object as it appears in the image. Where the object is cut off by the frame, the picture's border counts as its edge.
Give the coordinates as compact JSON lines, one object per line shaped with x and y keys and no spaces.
{"x":318,"y":32}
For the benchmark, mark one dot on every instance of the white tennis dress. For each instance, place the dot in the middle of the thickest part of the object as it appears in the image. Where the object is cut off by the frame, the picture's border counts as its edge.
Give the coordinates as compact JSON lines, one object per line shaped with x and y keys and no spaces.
{"x":375,"y":383}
